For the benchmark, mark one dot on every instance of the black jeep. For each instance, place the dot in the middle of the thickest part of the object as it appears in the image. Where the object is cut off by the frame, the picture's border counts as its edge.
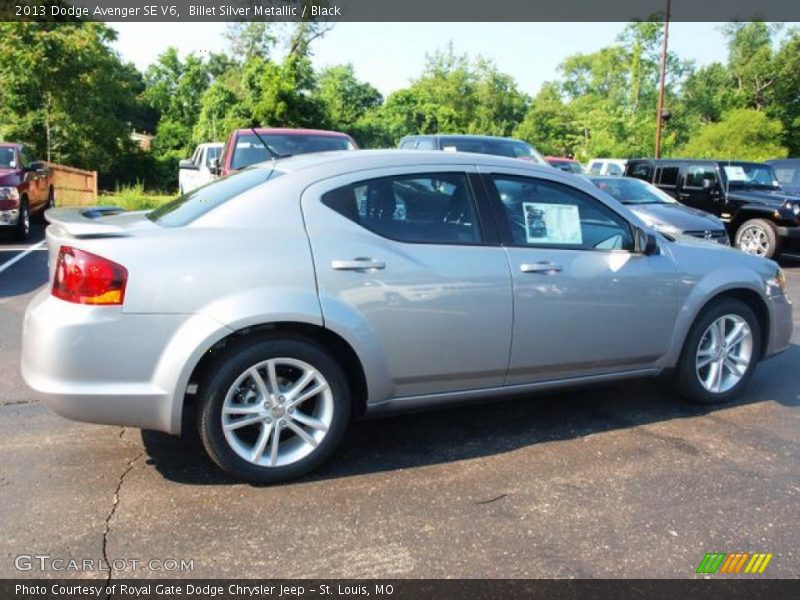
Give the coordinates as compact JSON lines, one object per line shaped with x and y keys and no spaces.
{"x":761,"y":218}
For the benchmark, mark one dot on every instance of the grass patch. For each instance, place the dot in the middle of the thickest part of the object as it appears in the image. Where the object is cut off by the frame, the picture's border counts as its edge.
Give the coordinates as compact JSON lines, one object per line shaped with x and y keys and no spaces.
{"x":133,"y":197}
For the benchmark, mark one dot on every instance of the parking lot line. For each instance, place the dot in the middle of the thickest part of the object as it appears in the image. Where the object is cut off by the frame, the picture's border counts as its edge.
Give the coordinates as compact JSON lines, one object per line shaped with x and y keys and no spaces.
{"x":22,"y":255}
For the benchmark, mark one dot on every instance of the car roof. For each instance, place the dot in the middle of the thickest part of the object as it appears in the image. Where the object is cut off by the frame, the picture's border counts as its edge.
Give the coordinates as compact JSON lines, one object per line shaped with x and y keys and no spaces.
{"x":782,"y":161}
{"x":9,"y":145}
{"x":291,"y":131}
{"x":695,"y":161}
{"x":333,"y":162}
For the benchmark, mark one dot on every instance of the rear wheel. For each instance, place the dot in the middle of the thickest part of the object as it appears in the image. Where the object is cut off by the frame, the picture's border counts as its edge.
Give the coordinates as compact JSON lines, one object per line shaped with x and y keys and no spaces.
{"x":758,"y":237}
{"x":23,"y":228}
{"x":720,"y":353}
{"x":274,"y":409}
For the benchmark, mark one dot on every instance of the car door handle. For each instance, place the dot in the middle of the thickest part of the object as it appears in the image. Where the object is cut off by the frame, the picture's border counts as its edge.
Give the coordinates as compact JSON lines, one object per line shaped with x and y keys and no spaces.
{"x":357,"y":264}
{"x":544,"y":268}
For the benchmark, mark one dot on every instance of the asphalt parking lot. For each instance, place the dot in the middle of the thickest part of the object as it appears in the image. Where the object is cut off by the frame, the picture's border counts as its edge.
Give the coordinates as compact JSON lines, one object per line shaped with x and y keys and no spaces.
{"x":624,"y":481}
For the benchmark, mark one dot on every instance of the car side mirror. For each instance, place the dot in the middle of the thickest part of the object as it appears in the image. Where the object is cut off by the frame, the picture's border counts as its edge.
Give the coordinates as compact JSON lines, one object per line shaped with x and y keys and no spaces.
{"x":37,"y":166}
{"x":188,"y":164}
{"x":213,"y":166}
{"x":646,"y":242}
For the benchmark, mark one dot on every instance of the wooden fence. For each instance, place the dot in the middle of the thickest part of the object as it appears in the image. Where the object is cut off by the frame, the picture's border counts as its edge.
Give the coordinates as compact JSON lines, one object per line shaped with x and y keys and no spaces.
{"x":74,"y":187}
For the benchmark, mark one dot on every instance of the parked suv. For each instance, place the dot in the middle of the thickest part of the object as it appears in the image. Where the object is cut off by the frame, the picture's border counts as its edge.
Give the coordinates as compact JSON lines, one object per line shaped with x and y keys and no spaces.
{"x":320,"y":288}
{"x":247,"y":147}
{"x":761,"y":218}
{"x":481,"y":144}
{"x":26,"y":189}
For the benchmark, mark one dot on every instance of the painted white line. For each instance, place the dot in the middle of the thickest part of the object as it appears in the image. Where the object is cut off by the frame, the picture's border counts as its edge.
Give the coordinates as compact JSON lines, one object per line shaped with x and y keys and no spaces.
{"x":19,"y":257}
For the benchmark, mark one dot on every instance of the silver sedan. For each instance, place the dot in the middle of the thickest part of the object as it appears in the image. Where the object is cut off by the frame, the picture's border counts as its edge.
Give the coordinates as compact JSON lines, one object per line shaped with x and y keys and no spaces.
{"x":282,"y":302}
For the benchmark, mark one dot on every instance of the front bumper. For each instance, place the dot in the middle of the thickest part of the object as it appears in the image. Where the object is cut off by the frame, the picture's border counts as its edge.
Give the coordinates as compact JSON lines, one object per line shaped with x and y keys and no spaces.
{"x":781,"y":324}
{"x":101,"y":365}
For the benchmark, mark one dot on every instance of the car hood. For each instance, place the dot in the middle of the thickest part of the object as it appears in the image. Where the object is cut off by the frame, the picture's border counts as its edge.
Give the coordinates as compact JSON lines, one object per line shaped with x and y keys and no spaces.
{"x":678,"y":216}
{"x":8,"y":177}
{"x":776,"y":198}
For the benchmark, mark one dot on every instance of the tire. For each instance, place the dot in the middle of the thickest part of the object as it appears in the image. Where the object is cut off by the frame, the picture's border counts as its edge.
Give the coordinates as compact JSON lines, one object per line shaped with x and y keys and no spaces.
{"x":51,"y":203}
{"x":23,"y":227}
{"x":230,"y":387}
{"x":758,"y":237}
{"x":692,"y":380}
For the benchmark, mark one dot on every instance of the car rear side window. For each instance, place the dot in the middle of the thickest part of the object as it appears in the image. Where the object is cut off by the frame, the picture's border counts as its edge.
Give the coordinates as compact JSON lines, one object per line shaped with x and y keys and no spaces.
{"x":643,"y":171}
{"x":668,"y":176}
{"x":189,"y":207}
{"x":422,"y":208}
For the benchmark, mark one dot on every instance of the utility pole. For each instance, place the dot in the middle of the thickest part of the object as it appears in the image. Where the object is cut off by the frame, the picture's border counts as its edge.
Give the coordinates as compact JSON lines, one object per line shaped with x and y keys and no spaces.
{"x":660,"y":114}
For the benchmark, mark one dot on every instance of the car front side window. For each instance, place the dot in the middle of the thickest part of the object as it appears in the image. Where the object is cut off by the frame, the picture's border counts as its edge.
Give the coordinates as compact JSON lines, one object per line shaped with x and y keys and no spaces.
{"x":541,"y":213}
{"x":422,"y":208}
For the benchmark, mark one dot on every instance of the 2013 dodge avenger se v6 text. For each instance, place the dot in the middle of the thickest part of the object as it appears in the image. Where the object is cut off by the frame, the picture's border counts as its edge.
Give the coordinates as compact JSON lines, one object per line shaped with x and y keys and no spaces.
{"x":287,"y":299}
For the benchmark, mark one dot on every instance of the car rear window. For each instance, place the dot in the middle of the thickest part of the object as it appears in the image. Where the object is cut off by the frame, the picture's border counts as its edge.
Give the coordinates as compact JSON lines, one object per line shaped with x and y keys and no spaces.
{"x":189,"y":207}
{"x":250,"y":150}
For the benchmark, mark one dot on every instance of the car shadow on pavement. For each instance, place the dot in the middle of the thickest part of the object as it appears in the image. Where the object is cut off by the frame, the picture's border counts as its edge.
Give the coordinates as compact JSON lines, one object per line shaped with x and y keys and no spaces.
{"x":26,"y":274}
{"x":413,"y":440}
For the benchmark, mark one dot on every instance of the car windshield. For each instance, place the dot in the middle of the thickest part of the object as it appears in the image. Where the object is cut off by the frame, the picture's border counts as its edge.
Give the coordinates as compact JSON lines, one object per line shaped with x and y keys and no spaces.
{"x":495,"y":147}
{"x":249,"y":149}
{"x":7,"y":158}
{"x":788,"y":174}
{"x":751,"y":175}
{"x":193,"y":205}
{"x":632,"y":191}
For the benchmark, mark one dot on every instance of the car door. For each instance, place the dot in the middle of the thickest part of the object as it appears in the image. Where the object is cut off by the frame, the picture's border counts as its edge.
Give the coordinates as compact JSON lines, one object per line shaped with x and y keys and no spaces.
{"x":37,"y":181}
{"x":403,"y":257}
{"x":700,"y":187}
{"x":584,"y":302}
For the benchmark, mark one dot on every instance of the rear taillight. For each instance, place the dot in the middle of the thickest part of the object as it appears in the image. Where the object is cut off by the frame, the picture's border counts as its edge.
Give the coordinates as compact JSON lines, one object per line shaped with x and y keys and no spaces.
{"x":85,"y":278}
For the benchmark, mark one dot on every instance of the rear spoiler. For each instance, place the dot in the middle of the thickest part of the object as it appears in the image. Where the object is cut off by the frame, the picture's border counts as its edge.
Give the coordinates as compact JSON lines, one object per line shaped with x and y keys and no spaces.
{"x":83,"y":222}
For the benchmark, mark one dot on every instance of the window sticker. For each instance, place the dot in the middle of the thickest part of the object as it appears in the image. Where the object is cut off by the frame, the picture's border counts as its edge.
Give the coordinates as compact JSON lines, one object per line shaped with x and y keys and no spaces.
{"x":450,"y":149}
{"x":735,"y":173}
{"x":552,"y":223}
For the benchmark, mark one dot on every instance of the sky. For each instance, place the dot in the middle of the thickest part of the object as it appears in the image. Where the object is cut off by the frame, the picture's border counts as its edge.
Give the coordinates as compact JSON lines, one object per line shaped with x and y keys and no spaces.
{"x":389,"y":55}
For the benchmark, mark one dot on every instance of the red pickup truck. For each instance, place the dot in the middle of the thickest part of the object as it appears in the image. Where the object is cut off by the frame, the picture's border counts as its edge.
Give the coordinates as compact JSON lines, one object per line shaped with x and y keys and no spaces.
{"x":247,"y":147}
{"x":26,"y":188}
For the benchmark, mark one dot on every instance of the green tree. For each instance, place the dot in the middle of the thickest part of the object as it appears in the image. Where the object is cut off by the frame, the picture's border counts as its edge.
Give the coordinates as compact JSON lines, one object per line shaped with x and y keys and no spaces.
{"x":346,"y":99}
{"x":175,"y":89}
{"x":64,"y":91}
{"x":550,"y":124}
{"x":744,"y":134}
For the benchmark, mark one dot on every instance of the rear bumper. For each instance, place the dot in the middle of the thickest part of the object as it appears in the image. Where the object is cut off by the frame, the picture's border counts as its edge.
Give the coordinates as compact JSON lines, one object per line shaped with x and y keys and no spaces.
{"x":100,"y":365}
{"x":781,"y":325}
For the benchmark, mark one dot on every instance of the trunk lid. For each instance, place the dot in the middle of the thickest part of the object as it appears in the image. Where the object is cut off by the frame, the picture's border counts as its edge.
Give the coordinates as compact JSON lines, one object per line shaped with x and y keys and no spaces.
{"x":79,"y":226}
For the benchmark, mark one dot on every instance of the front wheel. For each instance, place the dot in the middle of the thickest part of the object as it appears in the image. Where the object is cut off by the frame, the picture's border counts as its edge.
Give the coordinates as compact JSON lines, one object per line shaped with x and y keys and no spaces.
{"x":758,"y":237}
{"x":274,"y":409}
{"x":23,"y":227}
{"x":720,"y":353}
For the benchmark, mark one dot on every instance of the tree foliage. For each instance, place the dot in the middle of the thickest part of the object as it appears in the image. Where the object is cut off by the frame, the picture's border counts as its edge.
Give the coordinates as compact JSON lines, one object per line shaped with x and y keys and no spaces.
{"x":744,"y":133}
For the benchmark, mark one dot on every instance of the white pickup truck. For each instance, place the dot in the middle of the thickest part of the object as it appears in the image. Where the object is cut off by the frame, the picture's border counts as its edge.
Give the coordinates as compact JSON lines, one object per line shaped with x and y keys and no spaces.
{"x":195,"y":172}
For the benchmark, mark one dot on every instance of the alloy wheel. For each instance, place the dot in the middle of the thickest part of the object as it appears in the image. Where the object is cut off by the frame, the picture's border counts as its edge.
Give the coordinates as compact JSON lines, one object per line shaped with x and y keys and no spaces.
{"x":724,"y":353}
{"x":277,"y":412}
{"x":754,"y":240}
